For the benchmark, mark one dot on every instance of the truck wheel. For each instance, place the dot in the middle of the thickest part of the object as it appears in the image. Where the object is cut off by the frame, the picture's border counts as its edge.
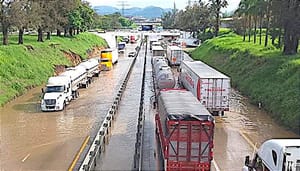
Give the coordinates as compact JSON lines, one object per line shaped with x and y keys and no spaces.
{"x":64,"y":106}
{"x":222,"y":113}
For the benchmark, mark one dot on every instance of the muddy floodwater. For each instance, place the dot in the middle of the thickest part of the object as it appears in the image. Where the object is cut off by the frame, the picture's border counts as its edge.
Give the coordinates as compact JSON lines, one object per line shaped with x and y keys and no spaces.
{"x":241,"y":132}
{"x":35,"y":140}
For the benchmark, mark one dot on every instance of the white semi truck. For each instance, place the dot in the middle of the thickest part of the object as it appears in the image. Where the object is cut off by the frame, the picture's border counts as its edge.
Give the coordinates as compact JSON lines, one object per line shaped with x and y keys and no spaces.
{"x":275,"y":155}
{"x":60,"y":90}
{"x":209,"y":85}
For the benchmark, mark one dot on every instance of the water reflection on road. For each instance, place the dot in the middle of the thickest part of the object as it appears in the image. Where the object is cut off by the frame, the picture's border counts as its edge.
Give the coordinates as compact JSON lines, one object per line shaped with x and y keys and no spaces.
{"x":35,"y":140}
{"x":243,"y":129}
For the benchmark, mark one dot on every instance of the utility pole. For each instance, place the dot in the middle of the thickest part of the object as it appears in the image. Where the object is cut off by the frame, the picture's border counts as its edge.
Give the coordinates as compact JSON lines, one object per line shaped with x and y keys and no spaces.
{"x":123,"y":4}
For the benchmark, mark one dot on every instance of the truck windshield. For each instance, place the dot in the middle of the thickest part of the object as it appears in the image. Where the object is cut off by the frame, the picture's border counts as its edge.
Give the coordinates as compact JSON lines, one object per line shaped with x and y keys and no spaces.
{"x":51,"y":89}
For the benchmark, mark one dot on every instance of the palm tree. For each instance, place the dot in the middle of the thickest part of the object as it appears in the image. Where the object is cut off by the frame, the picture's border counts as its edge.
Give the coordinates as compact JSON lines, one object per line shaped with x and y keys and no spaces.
{"x":216,"y":6}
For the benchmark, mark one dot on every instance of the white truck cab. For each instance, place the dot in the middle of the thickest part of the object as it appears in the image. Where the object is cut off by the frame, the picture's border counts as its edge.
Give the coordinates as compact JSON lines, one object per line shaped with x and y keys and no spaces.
{"x":57,"y":94}
{"x":276,"y":155}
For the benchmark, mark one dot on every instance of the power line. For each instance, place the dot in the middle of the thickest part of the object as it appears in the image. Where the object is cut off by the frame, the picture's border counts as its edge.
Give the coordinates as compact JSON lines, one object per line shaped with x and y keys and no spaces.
{"x":123,"y":4}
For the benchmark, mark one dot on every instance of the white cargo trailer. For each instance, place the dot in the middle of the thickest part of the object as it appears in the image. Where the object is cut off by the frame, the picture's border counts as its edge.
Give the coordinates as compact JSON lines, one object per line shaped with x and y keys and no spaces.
{"x":174,"y":55}
{"x":210,"y":86}
{"x":158,"y":51}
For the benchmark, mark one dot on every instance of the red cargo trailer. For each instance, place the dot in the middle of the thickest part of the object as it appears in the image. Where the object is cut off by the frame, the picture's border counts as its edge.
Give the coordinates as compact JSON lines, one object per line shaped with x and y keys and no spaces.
{"x":185,"y":129}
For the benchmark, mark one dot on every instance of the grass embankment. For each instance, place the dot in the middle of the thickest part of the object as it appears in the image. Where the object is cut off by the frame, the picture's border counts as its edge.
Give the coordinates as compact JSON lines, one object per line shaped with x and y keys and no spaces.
{"x":22,"y":68}
{"x":261,"y":73}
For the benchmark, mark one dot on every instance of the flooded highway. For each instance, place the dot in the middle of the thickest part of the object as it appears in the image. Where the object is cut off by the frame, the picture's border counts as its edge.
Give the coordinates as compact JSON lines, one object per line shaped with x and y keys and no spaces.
{"x":119,"y":152}
{"x":243,"y":129}
{"x":35,"y":140}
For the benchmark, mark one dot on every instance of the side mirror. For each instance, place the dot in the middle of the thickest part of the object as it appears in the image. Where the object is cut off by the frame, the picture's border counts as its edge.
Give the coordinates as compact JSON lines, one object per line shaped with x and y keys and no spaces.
{"x":247,"y":160}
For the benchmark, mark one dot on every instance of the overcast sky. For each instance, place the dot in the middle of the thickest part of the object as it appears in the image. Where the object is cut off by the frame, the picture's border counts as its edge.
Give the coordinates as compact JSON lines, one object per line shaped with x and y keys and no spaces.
{"x":180,"y":4}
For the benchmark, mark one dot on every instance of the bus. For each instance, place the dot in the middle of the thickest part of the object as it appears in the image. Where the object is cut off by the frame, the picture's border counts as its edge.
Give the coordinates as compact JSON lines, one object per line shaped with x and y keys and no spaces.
{"x":108,"y":57}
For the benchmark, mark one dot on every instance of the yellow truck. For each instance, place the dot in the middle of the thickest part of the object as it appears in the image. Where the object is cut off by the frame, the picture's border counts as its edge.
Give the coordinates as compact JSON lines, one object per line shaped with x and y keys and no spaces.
{"x":108,"y":57}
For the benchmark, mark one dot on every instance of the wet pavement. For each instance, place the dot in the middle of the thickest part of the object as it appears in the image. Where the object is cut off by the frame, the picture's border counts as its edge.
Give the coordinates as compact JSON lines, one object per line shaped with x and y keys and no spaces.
{"x":243,"y":129}
{"x":119,"y":151}
{"x":35,"y":140}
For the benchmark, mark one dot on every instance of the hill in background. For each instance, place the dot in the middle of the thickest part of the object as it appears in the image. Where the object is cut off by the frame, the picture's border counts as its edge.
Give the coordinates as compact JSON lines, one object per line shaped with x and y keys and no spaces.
{"x":147,"y":12}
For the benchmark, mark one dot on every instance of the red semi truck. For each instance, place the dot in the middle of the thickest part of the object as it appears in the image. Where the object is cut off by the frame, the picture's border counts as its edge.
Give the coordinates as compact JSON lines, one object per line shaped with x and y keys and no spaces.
{"x":185,"y":129}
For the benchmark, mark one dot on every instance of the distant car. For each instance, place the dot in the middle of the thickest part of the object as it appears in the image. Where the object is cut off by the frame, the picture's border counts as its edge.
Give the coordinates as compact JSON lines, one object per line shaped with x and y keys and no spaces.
{"x":131,"y":54}
{"x":101,"y":31}
{"x":126,"y":39}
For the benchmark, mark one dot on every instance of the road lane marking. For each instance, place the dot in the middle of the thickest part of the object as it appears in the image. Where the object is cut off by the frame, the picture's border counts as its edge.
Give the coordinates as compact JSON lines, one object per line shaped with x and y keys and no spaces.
{"x":248,"y":140}
{"x":79,"y":152}
{"x":216,"y":165}
{"x":26,"y":157}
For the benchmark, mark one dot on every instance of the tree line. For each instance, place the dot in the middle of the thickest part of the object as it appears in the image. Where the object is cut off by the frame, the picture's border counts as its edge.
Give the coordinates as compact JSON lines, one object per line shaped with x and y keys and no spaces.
{"x":68,"y":16}
{"x":278,"y":20}
{"x":196,"y":18}
{"x":275,"y":19}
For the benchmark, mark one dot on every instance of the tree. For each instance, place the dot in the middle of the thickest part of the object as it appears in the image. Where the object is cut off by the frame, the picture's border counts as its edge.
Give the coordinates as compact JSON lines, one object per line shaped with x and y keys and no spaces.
{"x":197,"y":18}
{"x":216,"y":6}
{"x":6,"y":18}
{"x":21,"y":16}
{"x":168,"y":20}
{"x":291,"y":26}
{"x":87,"y":14}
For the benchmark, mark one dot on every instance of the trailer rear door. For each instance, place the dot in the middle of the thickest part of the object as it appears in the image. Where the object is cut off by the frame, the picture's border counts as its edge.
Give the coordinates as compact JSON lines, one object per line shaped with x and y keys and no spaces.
{"x":189,"y":145}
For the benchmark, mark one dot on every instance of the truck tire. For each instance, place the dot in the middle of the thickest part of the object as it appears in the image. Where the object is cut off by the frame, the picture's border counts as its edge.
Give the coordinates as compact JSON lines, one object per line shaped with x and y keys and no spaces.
{"x":64,"y":106}
{"x":86,"y":85}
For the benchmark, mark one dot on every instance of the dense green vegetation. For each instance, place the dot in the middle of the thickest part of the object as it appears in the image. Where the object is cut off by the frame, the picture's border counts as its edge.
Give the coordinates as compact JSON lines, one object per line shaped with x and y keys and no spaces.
{"x":21,"y":68}
{"x":262,"y":73}
{"x":279,"y":19}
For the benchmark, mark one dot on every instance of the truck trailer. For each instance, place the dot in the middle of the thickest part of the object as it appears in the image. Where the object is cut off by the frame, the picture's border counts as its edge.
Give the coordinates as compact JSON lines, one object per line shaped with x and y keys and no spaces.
{"x":275,"y":155}
{"x":108,"y":57}
{"x":185,"y":130}
{"x":174,"y":55}
{"x":61,"y":89}
{"x":210,"y":86}
{"x":163,"y":76}
{"x":158,"y":51}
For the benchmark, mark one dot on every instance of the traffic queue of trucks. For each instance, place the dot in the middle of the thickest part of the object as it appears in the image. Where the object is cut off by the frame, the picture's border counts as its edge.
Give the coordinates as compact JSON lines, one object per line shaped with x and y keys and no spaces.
{"x":185,"y":127}
{"x":61,"y":89}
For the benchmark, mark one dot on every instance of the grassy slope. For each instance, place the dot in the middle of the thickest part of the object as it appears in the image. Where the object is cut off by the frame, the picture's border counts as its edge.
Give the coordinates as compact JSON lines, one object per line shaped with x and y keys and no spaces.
{"x":21,"y":68}
{"x":261,"y":73}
